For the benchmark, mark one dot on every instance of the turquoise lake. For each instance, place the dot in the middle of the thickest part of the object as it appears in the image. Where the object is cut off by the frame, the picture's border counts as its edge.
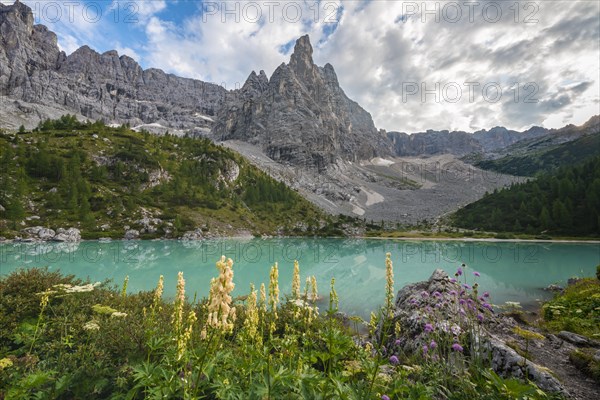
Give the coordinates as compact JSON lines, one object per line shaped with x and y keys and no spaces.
{"x":510,"y":271}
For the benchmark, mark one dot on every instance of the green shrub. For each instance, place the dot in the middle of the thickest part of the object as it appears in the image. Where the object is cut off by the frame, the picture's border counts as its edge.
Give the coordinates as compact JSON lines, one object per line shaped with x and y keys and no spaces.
{"x":584,"y":361}
{"x":576,"y":309}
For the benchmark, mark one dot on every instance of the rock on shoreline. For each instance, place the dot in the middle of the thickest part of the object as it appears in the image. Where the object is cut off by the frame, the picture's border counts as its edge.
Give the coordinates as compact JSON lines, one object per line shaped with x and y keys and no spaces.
{"x":417,"y":303}
{"x":41,"y":234}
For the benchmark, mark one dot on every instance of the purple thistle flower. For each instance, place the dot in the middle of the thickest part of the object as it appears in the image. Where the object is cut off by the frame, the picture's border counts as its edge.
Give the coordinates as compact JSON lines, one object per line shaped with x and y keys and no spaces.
{"x":457,"y":347}
{"x":428,"y":328}
{"x":453,"y":280}
{"x":488,"y":306}
{"x":398,"y":342}
{"x":394,"y":360}
{"x":432,"y":345}
{"x":480,"y":317}
{"x":462,"y":302}
{"x":437,"y":294}
{"x":385,"y":397}
{"x":477,"y":274}
{"x":466,"y":286}
{"x":486,"y":294}
{"x":424,"y":294}
{"x":425,"y":349}
{"x":453,"y":293}
{"x":459,"y":271}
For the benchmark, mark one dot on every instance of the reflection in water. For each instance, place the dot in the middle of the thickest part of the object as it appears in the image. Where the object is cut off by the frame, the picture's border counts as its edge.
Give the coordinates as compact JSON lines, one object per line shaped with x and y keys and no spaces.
{"x":509,"y":271}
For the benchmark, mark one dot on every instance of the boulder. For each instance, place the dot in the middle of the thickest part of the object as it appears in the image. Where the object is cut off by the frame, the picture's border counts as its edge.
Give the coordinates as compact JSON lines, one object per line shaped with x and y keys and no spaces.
{"x":417,"y":303}
{"x":553,"y":288}
{"x":573,"y":338}
{"x":193,"y":235}
{"x":39,"y":233}
{"x":71,"y":235}
{"x":132,"y":234}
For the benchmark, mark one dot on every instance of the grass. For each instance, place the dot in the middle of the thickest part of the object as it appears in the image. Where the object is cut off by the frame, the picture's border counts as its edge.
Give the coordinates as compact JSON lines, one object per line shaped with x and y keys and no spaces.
{"x":63,"y":339}
{"x":577,"y":309}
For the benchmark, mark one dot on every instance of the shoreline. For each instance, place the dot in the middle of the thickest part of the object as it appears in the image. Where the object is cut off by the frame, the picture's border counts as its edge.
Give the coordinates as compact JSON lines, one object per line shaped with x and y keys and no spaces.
{"x":471,"y":239}
{"x":249,"y":237}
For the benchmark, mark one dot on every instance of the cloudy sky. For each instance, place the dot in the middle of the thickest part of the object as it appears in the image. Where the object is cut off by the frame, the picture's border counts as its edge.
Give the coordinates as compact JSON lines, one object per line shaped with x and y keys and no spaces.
{"x":462,"y":65}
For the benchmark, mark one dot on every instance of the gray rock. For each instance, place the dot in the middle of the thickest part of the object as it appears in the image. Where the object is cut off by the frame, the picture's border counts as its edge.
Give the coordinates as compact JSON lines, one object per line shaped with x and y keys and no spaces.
{"x":553,"y":288}
{"x":597,"y":356}
{"x":45,"y":83}
{"x":415,"y":302}
{"x":132,"y":234}
{"x":39,"y":233}
{"x":71,"y":235}
{"x":149,"y":225}
{"x":573,"y":338}
{"x":193,"y":235}
{"x":507,"y":362}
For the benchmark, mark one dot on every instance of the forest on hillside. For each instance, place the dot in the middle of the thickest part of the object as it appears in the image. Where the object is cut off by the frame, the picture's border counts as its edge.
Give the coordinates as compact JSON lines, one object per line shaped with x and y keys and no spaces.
{"x":565,"y":202}
{"x":88,"y":175}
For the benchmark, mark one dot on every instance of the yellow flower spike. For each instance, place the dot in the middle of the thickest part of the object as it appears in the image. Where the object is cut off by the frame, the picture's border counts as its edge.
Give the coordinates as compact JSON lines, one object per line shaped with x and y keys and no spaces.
{"x":333,"y":297}
{"x":220,"y":312}
{"x":263,"y":298}
{"x":274,"y":289}
{"x":156,"y":301}
{"x":296,"y":281}
{"x":314,"y":292}
{"x":124,"y":289}
{"x":177,"y":319}
{"x":252,"y":318}
{"x":389,"y":287}
{"x":184,"y":338}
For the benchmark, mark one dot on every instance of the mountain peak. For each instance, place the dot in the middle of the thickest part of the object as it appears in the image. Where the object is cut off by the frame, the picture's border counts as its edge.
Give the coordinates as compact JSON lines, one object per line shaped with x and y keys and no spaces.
{"x":302,"y":56}
{"x":19,"y":11}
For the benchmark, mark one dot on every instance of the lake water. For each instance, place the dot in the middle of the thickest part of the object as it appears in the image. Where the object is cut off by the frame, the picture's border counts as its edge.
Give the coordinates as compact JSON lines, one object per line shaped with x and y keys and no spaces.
{"x":514,"y":271}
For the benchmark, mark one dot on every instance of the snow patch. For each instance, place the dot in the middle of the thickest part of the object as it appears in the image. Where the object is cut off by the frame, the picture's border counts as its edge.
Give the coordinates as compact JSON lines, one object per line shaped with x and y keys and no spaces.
{"x":382,"y":162}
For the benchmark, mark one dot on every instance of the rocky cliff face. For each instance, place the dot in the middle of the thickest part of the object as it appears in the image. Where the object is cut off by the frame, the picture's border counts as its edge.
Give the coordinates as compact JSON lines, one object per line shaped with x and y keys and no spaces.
{"x":39,"y":81}
{"x":433,"y":143}
{"x":460,"y":143}
{"x":301,"y":116}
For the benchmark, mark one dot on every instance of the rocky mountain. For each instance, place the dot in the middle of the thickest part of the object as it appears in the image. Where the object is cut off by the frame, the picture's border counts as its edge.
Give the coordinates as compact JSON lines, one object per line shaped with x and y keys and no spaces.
{"x":38,"y":81}
{"x":298,"y":125}
{"x":491,"y":143}
{"x":460,"y":143}
{"x":301,"y":116}
{"x":433,"y":143}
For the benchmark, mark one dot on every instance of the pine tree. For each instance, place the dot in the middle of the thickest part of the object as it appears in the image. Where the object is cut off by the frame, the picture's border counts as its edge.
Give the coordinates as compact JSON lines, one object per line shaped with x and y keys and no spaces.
{"x":545,"y":219}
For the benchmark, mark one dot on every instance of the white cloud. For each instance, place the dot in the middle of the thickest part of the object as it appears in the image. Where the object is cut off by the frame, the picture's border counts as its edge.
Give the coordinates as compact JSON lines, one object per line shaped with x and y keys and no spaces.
{"x":376,"y":55}
{"x":127,"y":51}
